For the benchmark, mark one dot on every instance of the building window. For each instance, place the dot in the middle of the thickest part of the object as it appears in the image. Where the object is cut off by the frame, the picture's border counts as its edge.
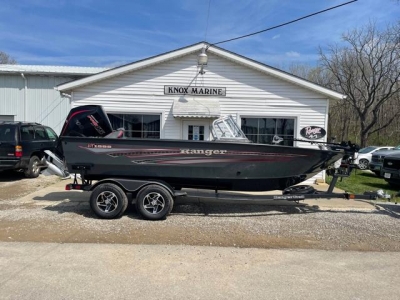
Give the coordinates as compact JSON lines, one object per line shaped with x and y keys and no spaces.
{"x":137,"y":126}
{"x":262,"y":130}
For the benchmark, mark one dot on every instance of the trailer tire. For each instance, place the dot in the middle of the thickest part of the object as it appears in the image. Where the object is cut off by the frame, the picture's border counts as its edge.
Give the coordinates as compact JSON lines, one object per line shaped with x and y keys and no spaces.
{"x":108,"y":201}
{"x":154,"y":202}
{"x":299,"y":190}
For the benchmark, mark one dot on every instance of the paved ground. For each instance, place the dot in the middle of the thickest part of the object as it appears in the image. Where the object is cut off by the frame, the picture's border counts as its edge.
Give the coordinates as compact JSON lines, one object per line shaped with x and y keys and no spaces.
{"x":91,"y":271}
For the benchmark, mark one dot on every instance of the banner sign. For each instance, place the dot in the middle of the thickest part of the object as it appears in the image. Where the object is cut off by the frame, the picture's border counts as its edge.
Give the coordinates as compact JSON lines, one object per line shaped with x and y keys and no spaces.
{"x":194,"y":90}
{"x":313,"y":132}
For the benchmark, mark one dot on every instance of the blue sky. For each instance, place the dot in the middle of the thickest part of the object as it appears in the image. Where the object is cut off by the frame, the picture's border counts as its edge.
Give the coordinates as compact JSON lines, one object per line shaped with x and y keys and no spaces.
{"x":110,"y":33}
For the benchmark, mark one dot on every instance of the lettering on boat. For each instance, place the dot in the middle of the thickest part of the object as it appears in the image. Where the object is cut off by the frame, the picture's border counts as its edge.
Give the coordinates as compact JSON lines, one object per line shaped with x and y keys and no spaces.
{"x":99,"y":146}
{"x":95,"y":124}
{"x":203,"y":151}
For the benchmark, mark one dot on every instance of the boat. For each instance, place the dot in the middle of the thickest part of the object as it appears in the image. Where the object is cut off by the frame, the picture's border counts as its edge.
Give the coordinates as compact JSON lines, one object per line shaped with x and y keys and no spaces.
{"x":90,"y":146}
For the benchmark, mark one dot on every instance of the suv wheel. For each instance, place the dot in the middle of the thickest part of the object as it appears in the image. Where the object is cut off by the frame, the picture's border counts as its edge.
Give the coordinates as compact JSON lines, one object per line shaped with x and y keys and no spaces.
{"x":363,"y":164}
{"x":33,"y":170}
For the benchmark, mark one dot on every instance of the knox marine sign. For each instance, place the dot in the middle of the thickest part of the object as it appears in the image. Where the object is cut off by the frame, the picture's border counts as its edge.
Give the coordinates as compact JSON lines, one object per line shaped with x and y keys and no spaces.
{"x":194,"y":90}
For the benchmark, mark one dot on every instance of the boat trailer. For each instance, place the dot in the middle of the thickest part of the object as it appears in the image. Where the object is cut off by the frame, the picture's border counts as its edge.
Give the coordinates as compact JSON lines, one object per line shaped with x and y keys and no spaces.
{"x":154,"y":199}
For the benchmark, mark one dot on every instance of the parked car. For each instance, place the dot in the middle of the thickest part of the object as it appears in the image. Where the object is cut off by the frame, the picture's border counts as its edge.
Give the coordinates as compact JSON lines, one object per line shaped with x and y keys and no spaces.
{"x":391,"y":169}
{"x":22,"y":145}
{"x":364,"y":156}
{"x":377,"y":160}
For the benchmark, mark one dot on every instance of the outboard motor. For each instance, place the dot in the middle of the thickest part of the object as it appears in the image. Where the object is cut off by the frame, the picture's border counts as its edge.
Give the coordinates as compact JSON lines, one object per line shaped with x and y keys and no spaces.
{"x":88,"y":120}
{"x":82,"y":121}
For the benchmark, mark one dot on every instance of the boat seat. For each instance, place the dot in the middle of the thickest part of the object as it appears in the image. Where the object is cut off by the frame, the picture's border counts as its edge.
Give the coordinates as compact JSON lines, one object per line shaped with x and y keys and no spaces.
{"x":117,"y":134}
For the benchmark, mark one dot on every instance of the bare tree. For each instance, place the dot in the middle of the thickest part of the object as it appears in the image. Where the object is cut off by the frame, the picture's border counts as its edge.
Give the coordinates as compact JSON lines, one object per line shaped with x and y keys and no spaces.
{"x":340,"y":111}
{"x":6,"y":59}
{"x":367,"y":70}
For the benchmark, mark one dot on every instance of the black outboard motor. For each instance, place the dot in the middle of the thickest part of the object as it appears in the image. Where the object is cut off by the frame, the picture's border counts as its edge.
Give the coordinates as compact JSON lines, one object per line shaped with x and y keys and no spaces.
{"x":87,"y":121}
{"x":82,"y":121}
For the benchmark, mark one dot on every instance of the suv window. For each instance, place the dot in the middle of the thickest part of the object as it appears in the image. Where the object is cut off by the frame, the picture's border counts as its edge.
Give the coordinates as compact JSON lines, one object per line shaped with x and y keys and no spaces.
{"x":27,"y":133}
{"x":40,"y":134}
{"x":7,"y":133}
{"x":52,"y":135}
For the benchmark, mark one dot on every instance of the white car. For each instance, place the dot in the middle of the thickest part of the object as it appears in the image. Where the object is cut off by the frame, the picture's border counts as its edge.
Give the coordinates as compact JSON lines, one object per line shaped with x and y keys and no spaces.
{"x":364,"y":156}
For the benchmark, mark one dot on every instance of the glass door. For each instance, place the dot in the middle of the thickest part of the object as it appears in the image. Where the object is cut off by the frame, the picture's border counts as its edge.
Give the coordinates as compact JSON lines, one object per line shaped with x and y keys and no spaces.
{"x":196,"y":130}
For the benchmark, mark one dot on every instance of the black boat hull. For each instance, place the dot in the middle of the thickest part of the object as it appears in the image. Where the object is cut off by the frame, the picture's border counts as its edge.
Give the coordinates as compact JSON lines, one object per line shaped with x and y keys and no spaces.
{"x":196,"y":164}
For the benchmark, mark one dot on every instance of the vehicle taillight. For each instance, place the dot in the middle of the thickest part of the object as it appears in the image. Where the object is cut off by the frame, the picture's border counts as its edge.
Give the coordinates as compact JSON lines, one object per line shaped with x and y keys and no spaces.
{"x":18,"y":151}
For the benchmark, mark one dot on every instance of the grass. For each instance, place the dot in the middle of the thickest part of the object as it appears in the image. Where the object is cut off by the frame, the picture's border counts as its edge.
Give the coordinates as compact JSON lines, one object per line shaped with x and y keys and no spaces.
{"x":361,"y":181}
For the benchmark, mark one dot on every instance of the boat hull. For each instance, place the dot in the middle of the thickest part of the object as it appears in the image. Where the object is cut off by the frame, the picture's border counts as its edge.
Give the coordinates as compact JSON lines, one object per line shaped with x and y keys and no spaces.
{"x":197,"y":164}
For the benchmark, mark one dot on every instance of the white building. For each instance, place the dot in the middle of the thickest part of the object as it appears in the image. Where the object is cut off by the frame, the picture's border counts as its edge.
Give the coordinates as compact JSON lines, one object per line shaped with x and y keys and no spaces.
{"x":27,"y":92}
{"x":170,"y":96}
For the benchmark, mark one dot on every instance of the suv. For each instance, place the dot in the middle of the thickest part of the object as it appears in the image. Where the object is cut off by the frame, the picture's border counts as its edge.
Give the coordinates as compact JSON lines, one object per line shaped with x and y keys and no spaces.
{"x":22,"y":146}
{"x":391,"y":169}
{"x":364,"y":156}
{"x":377,"y":160}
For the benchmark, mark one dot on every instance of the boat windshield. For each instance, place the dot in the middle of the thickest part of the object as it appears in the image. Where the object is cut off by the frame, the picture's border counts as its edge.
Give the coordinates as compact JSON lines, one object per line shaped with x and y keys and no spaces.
{"x":225,"y":128}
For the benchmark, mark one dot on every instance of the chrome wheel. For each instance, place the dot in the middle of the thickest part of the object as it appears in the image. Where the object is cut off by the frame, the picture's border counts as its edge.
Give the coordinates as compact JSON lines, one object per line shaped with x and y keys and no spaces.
{"x":363,"y":164}
{"x":153,"y":203}
{"x":107,"y":202}
{"x":35,"y":167}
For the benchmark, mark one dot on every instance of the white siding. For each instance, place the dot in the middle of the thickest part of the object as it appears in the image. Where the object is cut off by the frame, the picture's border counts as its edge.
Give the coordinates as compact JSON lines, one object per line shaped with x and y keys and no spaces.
{"x":248,"y":93}
{"x":41,"y":103}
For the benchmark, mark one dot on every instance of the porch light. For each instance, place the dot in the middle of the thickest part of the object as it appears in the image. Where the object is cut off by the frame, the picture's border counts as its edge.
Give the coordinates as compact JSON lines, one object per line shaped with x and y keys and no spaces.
{"x":202,"y":60}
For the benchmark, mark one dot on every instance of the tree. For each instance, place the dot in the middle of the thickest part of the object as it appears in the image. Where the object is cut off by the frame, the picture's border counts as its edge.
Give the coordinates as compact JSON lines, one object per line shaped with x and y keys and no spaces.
{"x":340,"y":112}
{"x":367,"y":70}
{"x":6,"y":59}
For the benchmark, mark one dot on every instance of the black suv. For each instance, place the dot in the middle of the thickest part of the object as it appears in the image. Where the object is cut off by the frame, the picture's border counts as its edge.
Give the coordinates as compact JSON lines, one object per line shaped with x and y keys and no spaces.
{"x":22,"y":145}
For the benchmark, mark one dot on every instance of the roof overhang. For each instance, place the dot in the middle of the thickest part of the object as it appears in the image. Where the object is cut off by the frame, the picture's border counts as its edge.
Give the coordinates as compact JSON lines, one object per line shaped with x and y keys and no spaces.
{"x":69,"y":86}
{"x":49,"y":70}
{"x":130,"y":67}
{"x":275,"y":72}
{"x":196,"y":108}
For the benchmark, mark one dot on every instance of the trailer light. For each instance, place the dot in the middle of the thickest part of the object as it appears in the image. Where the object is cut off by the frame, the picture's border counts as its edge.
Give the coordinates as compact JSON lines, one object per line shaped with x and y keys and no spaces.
{"x":18,"y":151}
{"x":68,"y":187}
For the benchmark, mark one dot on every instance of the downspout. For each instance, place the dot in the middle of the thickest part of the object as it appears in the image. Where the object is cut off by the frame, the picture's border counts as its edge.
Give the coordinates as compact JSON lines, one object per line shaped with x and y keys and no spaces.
{"x":25,"y":94}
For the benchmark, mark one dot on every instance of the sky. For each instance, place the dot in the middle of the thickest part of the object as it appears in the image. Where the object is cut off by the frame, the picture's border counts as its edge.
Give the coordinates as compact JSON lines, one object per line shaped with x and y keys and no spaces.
{"x":100,"y":33}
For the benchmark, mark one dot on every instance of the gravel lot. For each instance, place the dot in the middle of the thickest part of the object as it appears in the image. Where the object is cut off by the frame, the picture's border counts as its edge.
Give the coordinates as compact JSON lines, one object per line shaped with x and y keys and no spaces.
{"x":59,"y":218}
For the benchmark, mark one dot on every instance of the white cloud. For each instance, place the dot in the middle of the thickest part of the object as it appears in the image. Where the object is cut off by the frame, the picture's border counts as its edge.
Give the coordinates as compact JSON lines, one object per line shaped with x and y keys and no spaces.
{"x":292,"y":54}
{"x":276,"y":36}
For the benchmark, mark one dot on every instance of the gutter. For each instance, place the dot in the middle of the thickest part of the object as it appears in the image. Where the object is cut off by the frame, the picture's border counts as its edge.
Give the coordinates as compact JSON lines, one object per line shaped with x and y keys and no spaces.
{"x":25,"y":94}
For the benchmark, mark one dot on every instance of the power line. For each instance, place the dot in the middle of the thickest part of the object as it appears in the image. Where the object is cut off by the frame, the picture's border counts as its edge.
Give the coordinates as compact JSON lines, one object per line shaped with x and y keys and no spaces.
{"x":208,"y":16}
{"x":284,"y":24}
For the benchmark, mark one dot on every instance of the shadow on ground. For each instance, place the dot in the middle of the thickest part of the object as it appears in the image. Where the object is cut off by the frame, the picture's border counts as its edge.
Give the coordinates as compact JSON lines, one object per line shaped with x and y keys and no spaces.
{"x":8,"y":176}
{"x":212,"y":210}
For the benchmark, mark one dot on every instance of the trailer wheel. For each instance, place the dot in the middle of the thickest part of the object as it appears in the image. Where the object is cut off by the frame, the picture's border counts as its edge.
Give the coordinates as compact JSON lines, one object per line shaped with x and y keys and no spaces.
{"x":154,"y":202}
{"x":299,"y":189}
{"x":108,"y":201}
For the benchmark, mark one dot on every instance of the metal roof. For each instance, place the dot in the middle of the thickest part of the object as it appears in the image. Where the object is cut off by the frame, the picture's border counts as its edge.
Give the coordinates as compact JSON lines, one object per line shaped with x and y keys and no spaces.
{"x":61,"y":70}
